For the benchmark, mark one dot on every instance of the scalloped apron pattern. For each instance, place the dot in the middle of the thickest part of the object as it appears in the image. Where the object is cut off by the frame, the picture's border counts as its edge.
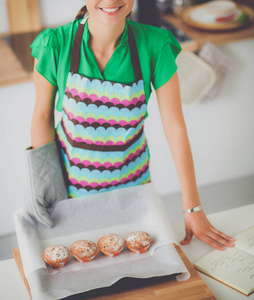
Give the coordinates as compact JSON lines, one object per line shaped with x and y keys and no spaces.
{"x":100,"y":137}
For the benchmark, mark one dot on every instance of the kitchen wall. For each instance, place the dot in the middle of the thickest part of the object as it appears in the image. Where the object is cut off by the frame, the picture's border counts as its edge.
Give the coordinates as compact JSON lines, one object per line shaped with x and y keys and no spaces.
{"x":221,"y":131}
{"x":3,"y":17}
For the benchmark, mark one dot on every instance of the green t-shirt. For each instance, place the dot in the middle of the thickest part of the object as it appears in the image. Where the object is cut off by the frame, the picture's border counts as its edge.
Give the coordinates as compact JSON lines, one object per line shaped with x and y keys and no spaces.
{"x":157,"y":49}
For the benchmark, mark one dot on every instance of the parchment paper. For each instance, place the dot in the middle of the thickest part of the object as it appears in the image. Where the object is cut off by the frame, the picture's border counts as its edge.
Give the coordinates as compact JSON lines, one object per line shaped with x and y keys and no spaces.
{"x":120,"y":211}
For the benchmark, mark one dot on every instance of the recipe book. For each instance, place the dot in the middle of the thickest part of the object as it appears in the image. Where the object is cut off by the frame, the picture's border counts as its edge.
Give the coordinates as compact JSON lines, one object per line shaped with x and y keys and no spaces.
{"x":233,"y":266}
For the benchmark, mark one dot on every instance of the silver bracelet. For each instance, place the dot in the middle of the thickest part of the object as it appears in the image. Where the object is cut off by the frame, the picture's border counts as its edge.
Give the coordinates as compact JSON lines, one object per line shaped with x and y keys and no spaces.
{"x":194,"y":209}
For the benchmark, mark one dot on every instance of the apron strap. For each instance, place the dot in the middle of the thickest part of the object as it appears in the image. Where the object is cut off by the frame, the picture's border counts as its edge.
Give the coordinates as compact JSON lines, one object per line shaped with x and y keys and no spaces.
{"x":76,"y":50}
{"x":134,"y":55}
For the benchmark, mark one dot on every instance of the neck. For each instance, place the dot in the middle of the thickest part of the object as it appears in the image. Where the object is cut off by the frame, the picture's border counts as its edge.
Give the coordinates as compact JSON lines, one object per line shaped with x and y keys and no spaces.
{"x":105,"y":36}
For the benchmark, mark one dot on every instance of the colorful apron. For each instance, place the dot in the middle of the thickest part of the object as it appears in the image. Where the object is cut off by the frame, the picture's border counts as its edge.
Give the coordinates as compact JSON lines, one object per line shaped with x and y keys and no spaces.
{"x":101,"y":137}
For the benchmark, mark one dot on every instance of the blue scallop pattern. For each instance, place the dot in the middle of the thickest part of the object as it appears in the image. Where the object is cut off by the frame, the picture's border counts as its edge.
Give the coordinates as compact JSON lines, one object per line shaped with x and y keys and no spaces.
{"x":104,"y":113}
{"x":105,"y":85}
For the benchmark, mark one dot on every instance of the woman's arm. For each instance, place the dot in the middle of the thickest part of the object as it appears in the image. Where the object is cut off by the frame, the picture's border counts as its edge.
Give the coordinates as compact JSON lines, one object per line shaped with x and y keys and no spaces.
{"x":197,"y":224}
{"x":43,"y":129}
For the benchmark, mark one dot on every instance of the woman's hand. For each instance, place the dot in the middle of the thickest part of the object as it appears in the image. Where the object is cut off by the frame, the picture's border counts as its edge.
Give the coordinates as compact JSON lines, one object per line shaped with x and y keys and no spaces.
{"x":197,"y":224}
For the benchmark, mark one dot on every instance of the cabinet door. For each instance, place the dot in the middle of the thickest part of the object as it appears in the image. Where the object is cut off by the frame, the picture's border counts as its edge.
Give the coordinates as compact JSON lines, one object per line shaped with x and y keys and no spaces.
{"x":24,"y":15}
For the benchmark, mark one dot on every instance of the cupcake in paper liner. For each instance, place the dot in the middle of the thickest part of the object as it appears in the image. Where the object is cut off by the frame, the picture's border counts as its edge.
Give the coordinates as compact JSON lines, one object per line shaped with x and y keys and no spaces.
{"x":111,"y":244}
{"x":138,"y":241}
{"x":56,"y":256}
{"x":84,"y":250}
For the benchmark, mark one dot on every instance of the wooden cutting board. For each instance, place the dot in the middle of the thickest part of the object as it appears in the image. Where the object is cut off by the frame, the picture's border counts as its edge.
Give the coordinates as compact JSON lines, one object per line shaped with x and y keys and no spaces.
{"x":23,"y":16}
{"x":161,"y":288}
{"x":11,"y":70}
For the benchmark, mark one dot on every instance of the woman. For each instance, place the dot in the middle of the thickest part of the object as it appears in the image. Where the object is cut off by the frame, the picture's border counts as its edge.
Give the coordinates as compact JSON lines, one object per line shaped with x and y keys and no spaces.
{"x":100,"y":138}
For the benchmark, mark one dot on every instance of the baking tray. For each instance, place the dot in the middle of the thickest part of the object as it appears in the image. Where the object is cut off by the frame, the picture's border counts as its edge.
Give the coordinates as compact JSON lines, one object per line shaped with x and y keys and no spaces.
{"x":150,"y":288}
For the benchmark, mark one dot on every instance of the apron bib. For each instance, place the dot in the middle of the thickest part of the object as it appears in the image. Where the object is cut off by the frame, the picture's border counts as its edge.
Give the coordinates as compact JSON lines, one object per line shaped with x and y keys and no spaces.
{"x":100,"y":137}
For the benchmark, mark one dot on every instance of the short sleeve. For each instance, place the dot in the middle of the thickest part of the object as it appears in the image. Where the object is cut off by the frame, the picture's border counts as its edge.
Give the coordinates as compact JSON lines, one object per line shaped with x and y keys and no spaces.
{"x":165,"y":64}
{"x":45,"y":49}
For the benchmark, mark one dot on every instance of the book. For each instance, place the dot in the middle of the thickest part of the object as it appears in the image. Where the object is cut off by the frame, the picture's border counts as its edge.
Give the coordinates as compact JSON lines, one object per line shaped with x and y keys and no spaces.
{"x":233,"y":266}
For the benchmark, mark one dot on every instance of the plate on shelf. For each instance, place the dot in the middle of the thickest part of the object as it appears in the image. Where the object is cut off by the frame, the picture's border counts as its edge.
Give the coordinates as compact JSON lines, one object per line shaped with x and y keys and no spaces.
{"x":200,"y":17}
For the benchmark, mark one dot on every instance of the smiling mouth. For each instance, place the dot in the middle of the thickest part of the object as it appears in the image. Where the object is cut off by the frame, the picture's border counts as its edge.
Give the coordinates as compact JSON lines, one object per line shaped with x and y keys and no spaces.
{"x":110,"y":10}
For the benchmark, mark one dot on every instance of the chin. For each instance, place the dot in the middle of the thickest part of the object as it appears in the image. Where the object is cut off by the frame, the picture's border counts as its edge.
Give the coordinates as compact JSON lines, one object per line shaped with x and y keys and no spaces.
{"x":114,"y":22}
{"x":109,"y":21}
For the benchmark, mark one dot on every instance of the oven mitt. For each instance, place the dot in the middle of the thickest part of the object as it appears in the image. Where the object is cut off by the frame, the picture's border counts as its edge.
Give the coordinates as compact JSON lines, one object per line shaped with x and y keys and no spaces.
{"x":46,"y":181}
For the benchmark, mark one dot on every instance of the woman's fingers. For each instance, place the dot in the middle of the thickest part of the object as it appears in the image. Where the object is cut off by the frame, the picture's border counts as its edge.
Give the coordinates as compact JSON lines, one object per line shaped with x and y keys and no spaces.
{"x":206,"y":239}
{"x":219,"y":239}
{"x":215,"y":238}
{"x":187,"y":239}
{"x":223,"y":235}
{"x":197,"y":224}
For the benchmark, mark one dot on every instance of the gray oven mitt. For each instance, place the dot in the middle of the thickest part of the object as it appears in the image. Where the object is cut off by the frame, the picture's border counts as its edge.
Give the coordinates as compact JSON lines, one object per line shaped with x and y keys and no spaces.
{"x":46,"y":181}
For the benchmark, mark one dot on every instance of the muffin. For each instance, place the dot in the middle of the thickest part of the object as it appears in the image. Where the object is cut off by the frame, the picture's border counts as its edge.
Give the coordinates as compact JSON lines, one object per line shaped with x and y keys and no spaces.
{"x":84,"y":250}
{"x":138,"y":241}
{"x":56,"y":256}
{"x":111,"y":244}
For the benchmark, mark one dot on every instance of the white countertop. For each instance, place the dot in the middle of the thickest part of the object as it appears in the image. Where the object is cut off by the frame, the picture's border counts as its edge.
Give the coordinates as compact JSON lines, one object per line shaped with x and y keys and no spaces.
{"x":230,"y":221}
{"x":12,"y":286}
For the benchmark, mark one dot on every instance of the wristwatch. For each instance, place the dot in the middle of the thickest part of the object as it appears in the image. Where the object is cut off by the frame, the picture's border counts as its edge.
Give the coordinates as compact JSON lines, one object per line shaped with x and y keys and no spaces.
{"x":194,"y":209}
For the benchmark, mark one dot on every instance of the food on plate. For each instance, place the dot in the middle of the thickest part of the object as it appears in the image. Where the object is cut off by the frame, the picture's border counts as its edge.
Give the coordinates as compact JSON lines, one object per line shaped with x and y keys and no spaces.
{"x":138,"y":241}
{"x":84,"y":250}
{"x":217,"y":12}
{"x":56,"y":256}
{"x":111,"y":244}
{"x":243,"y":17}
{"x":222,"y":11}
{"x":220,"y":8}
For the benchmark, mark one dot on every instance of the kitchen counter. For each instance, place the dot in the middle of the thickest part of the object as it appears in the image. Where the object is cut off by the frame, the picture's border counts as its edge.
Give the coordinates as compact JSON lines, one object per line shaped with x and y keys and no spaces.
{"x":194,"y":251}
{"x":226,"y":221}
{"x":12,"y":71}
{"x":200,"y":37}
